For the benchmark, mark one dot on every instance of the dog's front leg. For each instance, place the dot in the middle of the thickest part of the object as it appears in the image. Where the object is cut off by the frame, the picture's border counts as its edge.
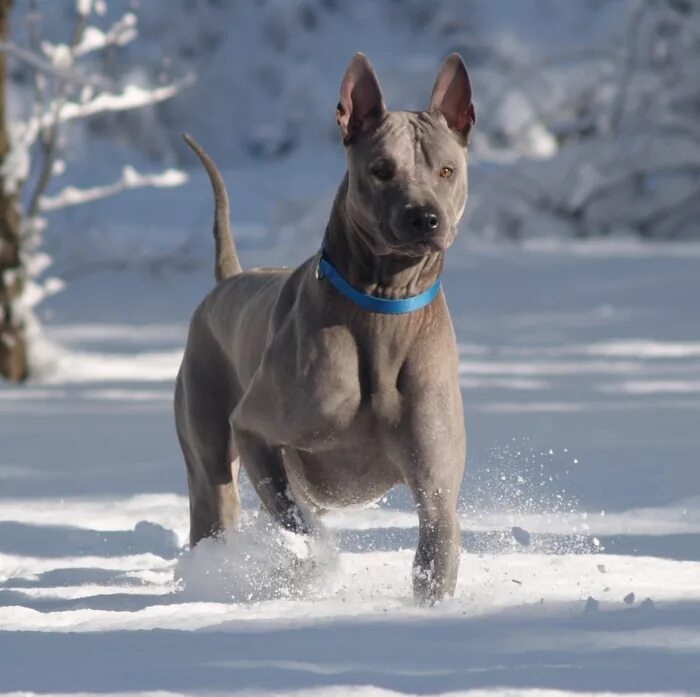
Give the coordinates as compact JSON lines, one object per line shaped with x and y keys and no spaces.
{"x":434,"y":463}
{"x":436,"y":562}
{"x":264,"y":466}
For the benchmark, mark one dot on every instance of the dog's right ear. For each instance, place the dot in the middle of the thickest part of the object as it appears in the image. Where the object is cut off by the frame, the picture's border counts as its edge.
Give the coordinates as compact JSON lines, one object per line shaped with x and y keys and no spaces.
{"x":361,"y":104}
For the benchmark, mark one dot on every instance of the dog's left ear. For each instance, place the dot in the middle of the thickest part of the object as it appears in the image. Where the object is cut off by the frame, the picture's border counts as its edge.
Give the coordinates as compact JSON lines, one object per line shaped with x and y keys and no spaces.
{"x":452,"y":95}
{"x":361,"y":104}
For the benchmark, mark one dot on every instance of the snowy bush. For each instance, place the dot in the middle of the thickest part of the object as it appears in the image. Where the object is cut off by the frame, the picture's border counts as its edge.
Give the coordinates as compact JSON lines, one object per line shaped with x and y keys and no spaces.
{"x":608,"y":134}
{"x":56,"y":83}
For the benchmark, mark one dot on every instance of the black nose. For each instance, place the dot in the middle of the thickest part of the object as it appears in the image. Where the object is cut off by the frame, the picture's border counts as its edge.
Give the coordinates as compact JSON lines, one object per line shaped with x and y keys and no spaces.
{"x":421,"y":220}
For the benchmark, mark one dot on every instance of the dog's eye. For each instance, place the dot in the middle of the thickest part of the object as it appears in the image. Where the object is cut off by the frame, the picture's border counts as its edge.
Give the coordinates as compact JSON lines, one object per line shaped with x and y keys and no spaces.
{"x":446,"y":172}
{"x":382,"y":171}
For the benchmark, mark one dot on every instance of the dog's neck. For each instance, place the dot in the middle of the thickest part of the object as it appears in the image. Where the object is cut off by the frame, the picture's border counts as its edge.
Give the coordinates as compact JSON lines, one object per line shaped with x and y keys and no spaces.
{"x":390,"y":276}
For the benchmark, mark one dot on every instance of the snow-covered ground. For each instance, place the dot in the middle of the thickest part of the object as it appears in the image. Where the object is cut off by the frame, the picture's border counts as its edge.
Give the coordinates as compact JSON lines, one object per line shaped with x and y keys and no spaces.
{"x":580,"y":369}
{"x":581,"y":380}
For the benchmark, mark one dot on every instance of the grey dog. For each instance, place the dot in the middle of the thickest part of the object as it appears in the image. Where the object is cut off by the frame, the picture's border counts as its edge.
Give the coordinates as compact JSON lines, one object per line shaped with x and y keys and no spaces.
{"x":324,"y":402}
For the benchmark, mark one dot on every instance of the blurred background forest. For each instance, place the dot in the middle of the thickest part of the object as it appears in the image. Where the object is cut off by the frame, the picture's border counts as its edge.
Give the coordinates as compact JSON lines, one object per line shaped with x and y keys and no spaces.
{"x":588,"y":123}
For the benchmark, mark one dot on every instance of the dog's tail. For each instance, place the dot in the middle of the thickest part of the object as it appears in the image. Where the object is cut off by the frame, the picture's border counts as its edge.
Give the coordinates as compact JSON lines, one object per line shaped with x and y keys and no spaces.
{"x":227,"y":263}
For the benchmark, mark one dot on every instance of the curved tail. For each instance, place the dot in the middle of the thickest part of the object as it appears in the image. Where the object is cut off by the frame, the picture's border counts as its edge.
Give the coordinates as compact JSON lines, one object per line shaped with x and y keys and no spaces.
{"x":227,"y":263}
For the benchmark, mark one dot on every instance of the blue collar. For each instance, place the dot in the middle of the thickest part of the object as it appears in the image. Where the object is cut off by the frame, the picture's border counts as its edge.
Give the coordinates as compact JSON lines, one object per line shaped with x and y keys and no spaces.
{"x":372,"y":302}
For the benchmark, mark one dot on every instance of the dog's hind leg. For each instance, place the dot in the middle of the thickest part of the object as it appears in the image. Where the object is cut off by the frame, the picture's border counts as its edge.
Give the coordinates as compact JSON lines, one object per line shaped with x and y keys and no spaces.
{"x":265,"y":469}
{"x":212,"y":460}
{"x":264,"y":465}
{"x":215,"y":502}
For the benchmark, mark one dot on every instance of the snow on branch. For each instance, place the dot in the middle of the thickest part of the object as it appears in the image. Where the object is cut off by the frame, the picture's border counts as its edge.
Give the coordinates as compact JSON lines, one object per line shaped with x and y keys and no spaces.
{"x":120,"y":33}
{"x":34,"y":143}
{"x":92,"y":39}
{"x":43,"y":66}
{"x":132,"y":97}
{"x":130,"y":179}
{"x":85,"y":7}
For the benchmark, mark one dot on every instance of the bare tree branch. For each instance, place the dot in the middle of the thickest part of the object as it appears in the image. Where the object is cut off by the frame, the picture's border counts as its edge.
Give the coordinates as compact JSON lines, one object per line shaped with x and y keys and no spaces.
{"x":628,"y":66}
{"x":132,"y":97}
{"x":687,"y":204}
{"x":43,"y":66}
{"x":51,"y":139}
{"x":130,"y":179}
{"x":39,"y":77}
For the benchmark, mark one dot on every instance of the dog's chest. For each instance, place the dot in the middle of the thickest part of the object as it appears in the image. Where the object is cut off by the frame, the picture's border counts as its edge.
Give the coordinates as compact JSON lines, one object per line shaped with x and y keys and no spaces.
{"x":353,"y":384}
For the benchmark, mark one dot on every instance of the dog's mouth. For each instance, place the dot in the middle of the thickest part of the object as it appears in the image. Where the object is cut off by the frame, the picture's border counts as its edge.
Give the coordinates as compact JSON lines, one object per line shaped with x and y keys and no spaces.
{"x":406,"y":246}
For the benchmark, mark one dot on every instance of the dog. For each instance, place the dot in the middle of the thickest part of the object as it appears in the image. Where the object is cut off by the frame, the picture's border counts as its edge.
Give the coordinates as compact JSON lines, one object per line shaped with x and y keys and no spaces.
{"x":335,"y":381}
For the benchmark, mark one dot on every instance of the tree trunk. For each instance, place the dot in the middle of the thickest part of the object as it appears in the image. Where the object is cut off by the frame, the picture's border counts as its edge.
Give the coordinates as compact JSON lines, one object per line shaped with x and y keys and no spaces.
{"x":13,"y":343}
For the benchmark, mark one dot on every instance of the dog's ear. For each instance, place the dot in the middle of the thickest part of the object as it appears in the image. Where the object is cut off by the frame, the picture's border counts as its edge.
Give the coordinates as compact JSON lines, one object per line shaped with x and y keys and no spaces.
{"x":361,"y":104}
{"x":452,"y":95}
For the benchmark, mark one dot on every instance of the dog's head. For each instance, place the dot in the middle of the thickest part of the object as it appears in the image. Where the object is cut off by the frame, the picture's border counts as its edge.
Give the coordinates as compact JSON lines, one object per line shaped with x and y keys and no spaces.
{"x":407,"y":171}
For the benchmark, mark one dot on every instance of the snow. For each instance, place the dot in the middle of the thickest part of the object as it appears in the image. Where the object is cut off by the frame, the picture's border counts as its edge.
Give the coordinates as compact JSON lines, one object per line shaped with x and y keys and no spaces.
{"x":15,"y":165}
{"x":130,"y":179}
{"x":120,"y":33}
{"x":83,"y":7}
{"x":350,"y":691}
{"x":93,"y":513}
{"x":131,"y":97}
{"x":579,"y":367}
